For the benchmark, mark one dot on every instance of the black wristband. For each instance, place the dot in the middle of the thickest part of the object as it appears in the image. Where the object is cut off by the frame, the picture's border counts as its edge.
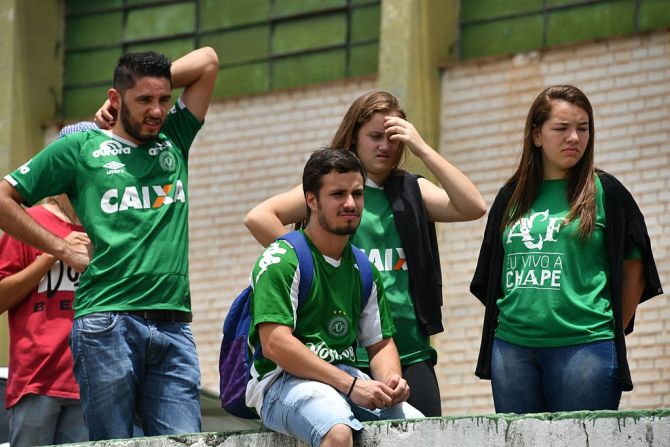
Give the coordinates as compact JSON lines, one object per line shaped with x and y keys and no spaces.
{"x":352,"y":386}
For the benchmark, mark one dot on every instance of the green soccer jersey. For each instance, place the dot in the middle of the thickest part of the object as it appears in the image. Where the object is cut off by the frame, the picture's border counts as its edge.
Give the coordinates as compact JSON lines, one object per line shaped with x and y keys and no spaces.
{"x":555,"y":285}
{"x":329,"y":321}
{"x":132,"y":202}
{"x":378,"y":236}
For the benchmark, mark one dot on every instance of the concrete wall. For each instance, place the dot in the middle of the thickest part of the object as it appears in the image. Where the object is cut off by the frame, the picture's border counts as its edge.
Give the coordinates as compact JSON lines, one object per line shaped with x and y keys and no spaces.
{"x":611,"y":429}
{"x":255,"y":146}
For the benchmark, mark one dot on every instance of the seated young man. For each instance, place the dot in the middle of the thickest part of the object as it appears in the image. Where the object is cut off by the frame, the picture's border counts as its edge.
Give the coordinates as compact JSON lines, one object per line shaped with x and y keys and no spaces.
{"x":305,"y":384}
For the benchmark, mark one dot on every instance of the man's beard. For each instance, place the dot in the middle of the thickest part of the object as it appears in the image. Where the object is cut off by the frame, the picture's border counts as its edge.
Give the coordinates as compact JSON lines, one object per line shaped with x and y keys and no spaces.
{"x":343,"y":230}
{"x":134,"y":128}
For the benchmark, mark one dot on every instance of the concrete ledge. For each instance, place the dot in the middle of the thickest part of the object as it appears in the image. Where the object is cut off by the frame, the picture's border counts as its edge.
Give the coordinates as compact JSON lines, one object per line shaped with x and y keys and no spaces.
{"x":578,"y":429}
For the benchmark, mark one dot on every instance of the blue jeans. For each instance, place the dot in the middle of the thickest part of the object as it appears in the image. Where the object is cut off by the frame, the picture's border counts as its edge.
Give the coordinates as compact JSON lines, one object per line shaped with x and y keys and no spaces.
{"x":307,"y":409}
{"x":126,"y":366}
{"x":44,"y":420}
{"x":569,"y":378}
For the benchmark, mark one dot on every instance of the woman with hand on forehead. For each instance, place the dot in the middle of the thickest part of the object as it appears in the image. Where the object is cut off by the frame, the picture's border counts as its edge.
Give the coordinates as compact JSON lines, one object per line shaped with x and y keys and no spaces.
{"x":564,"y":263}
{"x":397,"y":229}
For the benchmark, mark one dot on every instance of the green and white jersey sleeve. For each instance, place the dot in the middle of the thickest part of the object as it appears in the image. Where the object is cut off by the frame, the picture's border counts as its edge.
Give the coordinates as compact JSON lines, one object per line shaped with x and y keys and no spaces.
{"x":331,"y":319}
{"x":132,"y":202}
{"x":51,"y":172}
{"x":181,"y":126}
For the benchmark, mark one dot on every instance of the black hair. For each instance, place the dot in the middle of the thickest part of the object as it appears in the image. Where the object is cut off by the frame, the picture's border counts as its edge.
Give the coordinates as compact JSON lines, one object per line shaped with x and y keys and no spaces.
{"x":324,"y":161}
{"x":136,"y":65}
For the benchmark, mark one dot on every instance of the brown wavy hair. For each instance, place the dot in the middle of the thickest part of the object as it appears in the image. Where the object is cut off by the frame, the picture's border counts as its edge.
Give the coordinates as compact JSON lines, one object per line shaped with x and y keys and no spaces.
{"x":581,"y":189}
{"x":359,"y":113}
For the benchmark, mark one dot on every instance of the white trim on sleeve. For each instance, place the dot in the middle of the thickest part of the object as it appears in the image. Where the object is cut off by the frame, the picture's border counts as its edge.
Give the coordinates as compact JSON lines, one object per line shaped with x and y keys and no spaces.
{"x":11,"y":180}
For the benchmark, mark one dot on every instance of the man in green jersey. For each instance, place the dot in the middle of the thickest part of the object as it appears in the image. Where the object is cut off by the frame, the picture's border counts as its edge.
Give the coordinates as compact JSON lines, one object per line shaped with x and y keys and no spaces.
{"x":132,"y":345}
{"x":307,"y":360}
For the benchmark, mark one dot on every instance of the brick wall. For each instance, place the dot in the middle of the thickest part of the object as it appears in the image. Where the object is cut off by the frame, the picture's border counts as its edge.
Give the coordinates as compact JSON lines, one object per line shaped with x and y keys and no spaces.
{"x":484,"y":108}
{"x":253,"y":147}
{"x":249,"y":149}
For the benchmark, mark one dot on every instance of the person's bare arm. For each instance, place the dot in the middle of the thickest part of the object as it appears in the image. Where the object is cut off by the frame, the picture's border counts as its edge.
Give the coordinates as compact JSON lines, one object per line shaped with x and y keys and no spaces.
{"x":633,"y":286}
{"x":267,"y":220}
{"x":196,"y":72}
{"x":15,"y":288}
{"x":385,"y":366}
{"x":16,"y":222}
{"x":459,"y":200}
{"x":280,"y":346}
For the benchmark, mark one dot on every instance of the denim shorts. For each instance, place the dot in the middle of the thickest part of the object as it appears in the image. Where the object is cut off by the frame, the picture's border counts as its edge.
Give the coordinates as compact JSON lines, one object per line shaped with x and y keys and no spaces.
{"x":567,"y":378}
{"x":307,"y":409}
{"x":127,"y":366}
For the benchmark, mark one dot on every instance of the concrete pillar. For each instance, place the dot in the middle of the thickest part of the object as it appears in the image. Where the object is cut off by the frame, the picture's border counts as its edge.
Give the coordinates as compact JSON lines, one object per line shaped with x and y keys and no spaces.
{"x":417,"y":36}
{"x":31,"y":50}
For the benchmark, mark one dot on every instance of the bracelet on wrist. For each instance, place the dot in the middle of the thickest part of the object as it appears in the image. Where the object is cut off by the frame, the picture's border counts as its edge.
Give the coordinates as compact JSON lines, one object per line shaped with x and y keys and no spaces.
{"x":352,"y":387}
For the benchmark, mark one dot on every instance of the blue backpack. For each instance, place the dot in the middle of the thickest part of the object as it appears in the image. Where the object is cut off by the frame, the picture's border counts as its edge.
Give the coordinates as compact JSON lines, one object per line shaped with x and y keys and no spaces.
{"x":234,"y":361}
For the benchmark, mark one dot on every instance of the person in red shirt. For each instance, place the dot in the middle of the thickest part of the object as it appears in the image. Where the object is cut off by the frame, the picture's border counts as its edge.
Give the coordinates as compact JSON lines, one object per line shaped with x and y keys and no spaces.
{"x":37,"y":289}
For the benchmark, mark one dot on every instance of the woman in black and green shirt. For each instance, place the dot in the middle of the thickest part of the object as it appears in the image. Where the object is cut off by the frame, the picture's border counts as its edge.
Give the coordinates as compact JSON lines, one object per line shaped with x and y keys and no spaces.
{"x":564,"y":263}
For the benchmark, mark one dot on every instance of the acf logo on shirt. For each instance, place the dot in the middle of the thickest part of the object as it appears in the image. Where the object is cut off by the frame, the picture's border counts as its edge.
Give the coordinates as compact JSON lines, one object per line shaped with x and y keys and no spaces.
{"x":338,"y":326}
{"x":167,"y":161}
{"x":525,"y":225}
{"x":534,"y":268}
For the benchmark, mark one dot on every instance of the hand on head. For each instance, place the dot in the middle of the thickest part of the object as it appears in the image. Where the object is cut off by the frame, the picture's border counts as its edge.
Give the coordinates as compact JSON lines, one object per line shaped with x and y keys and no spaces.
{"x":105,"y":117}
{"x":402,"y":130}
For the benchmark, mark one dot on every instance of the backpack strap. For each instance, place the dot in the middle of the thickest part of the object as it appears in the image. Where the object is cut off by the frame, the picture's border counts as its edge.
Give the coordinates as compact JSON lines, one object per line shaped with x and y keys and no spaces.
{"x":306,"y":265}
{"x":305,"y":262}
{"x":365,"y":268}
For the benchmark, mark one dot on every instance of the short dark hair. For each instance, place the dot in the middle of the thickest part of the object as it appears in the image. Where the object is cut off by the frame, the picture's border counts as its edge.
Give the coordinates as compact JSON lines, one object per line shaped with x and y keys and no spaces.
{"x":137,"y":65}
{"x":324,"y":161}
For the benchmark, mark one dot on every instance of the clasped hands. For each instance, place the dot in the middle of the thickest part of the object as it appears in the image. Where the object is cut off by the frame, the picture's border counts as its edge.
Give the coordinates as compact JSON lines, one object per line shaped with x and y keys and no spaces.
{"x":373,"y":394}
